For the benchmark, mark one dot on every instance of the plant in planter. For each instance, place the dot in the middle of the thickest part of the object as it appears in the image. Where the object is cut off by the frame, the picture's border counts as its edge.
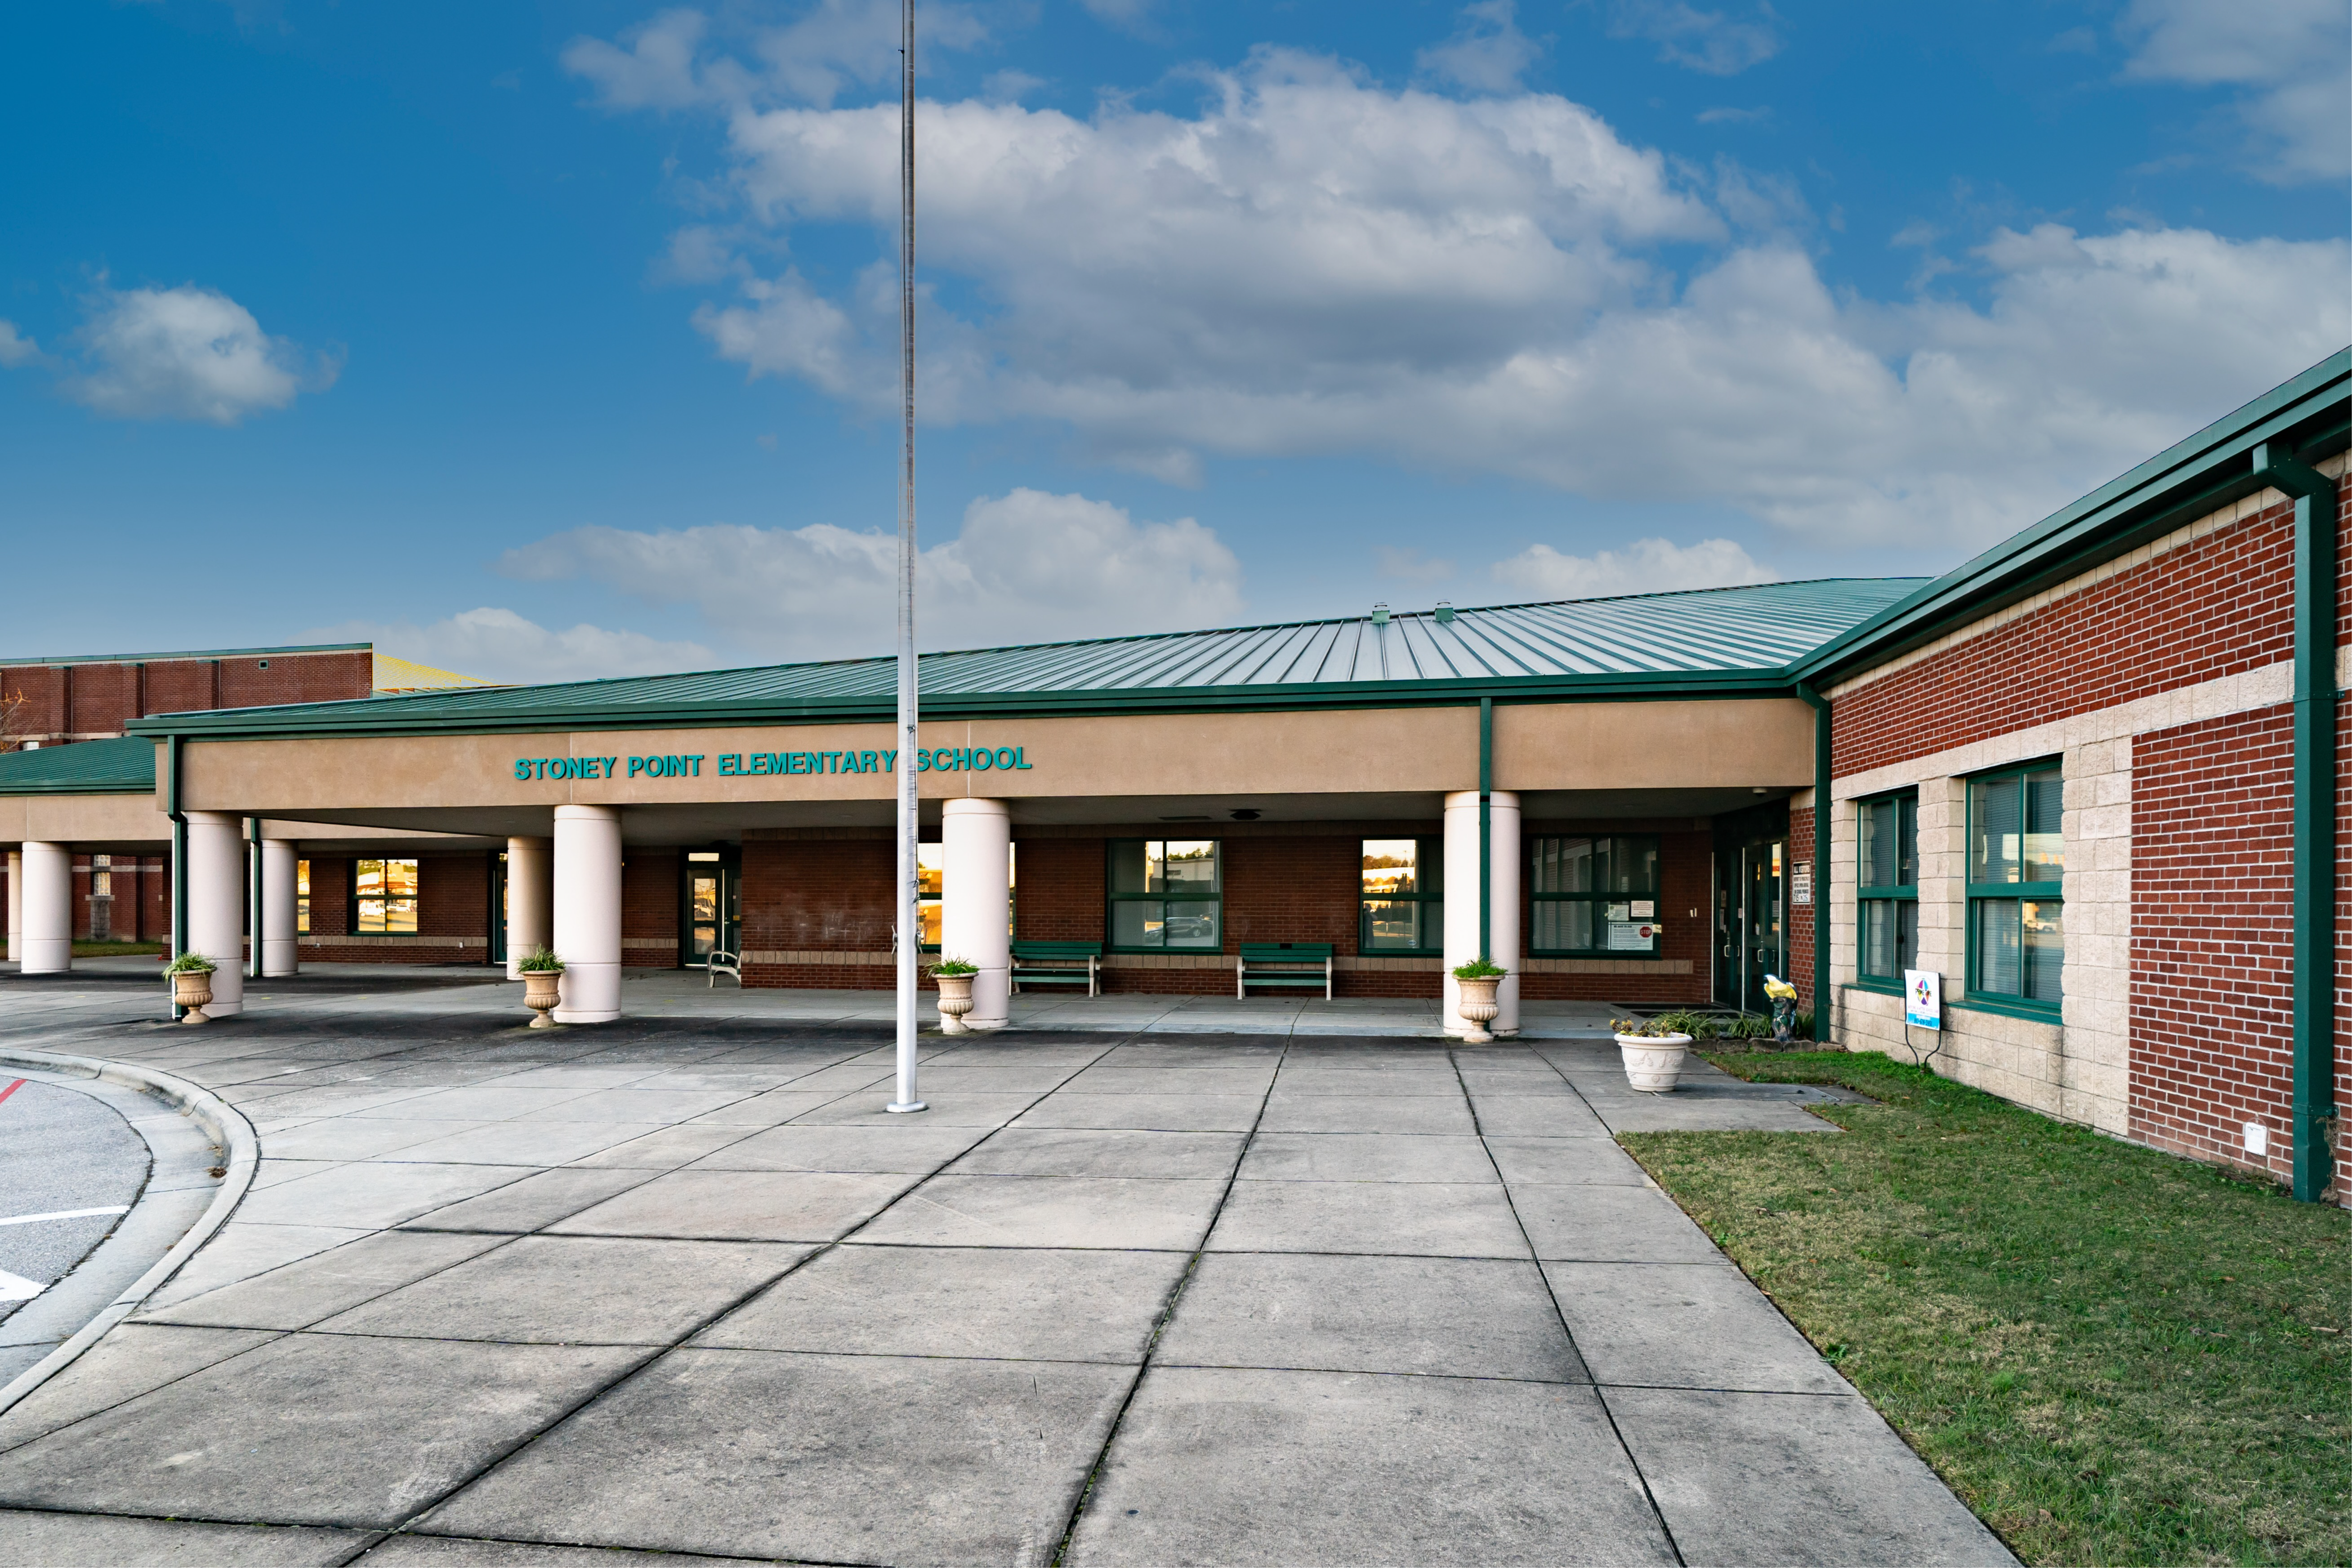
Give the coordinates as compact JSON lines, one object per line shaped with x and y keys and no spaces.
{"x":954,"y":976}
{"x":542,"y":983}
{"x":192,"y":985}
{"x":1653,"y":1051}
{"x":1478,"y":978}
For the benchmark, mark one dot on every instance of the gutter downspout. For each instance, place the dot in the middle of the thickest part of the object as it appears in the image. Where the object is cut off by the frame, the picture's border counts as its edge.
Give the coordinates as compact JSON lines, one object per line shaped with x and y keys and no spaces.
{"x":1821,"y":881}
{"x":1485,"y":827}
{"x":179,"y":853}
{"x":2314,"y":1112}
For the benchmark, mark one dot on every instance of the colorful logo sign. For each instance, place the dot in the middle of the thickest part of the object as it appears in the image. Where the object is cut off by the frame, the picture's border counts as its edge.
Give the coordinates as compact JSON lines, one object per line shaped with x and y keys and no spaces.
{"x":1923,"y":998}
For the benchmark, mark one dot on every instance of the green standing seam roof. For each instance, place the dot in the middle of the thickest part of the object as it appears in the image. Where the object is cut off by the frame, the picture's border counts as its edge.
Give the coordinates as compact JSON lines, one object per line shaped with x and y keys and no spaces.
{"x":125,"y":765}
{"x":1713,"y":640}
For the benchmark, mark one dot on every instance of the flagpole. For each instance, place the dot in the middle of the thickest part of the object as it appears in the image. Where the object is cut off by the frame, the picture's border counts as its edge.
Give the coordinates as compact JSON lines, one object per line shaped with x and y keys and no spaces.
{"x":909,"y":920}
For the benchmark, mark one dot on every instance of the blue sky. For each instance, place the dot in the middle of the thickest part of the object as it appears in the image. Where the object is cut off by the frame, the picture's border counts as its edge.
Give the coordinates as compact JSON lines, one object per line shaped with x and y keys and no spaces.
{"x":557,"y":340}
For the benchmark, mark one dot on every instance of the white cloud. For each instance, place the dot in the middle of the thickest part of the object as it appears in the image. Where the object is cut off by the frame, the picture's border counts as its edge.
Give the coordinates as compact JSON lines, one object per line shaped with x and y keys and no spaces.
{"x":1311,"y":264}
{"x":498,"y":645}
{"x":2290,"y":59}
{"x":16,"y":349}
{"x":673,"y":62}
{"x":1709,"y":41}
{"x":186,"y":354}
{"x":1026,"y":567}
{"x":1487,"y":54}
{"x":1644,"y":566}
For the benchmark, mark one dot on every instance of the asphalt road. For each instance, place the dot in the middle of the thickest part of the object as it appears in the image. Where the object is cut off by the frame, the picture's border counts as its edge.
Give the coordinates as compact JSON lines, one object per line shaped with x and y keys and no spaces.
{"x":61,"y":1152}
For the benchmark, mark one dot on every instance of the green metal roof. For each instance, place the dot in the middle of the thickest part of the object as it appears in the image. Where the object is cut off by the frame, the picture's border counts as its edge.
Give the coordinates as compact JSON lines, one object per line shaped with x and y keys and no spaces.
{"x":193,"y":653}
{"x":125,"y":765}
{"x":1708,"y":641}
{"x":2310,"y":415}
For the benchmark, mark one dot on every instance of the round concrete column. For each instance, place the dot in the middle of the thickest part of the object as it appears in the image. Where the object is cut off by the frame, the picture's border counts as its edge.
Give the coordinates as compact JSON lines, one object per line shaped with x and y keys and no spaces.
{"x":44,"y":938}
{"x":217,"y":904}
{"x":16,"y":902}
{"x":531,"y":895}
{"x":975,"y":898}
{"x":280,"y":908}
{"x":1461,"y":903}
{"x":587,"y":913}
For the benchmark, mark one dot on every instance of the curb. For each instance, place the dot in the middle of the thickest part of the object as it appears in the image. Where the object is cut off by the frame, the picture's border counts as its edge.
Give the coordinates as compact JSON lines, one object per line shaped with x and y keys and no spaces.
{"x":229,"y":1129}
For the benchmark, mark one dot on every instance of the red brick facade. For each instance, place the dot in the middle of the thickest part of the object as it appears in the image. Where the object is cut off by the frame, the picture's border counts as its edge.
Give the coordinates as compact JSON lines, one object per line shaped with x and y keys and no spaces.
{"x":1801,"y":920}
{"x":55,"y":704}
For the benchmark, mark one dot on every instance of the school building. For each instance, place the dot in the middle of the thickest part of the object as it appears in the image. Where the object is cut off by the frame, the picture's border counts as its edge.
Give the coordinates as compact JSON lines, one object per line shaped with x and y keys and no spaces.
{"x":2088,"y":779}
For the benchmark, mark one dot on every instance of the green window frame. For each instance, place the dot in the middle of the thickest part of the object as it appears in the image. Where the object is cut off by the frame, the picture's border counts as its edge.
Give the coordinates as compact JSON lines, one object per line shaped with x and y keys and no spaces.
{"x":2016,"y":889}
{"x":1400,"y":893}
{"x":1166,"y":895}
{"x":1886,"y":887}
{"x":1590,"y":896}
{"x":385,"y":893}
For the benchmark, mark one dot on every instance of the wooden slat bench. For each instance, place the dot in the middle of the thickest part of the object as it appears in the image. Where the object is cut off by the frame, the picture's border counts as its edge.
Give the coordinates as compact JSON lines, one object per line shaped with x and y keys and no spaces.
{"x":1058,"y":963}
{"x":1283,"y":963}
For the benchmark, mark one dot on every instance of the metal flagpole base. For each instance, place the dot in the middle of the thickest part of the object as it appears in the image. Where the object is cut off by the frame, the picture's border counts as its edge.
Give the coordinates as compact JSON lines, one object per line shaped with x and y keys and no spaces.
{"x":897,"y":1110}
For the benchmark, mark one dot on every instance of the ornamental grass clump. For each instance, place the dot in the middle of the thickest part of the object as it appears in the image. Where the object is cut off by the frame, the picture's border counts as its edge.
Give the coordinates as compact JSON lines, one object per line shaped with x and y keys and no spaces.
{"x":1478,"y":969}
{"x":540,"y":961}
{"x":953,"y":967}
{"x":191,"y":963}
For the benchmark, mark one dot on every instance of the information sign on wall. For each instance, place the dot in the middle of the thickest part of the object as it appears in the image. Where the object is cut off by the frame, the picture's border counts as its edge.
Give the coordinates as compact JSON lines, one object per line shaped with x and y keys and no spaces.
{"x":1923,"y":998}
{"x":1800,"y":884}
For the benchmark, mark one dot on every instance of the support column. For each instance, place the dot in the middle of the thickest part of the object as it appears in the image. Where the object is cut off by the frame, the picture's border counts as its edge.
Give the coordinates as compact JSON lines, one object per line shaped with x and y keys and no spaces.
{"x":531,"y":896}
{"x":16,"y":904}
{"x":1502,"y":882}
{"x":281,"y":951}
{"x":217,"y":904}
{"x":44,"y":943}
{"x":587,"y":912}
{"x":976,"y":836}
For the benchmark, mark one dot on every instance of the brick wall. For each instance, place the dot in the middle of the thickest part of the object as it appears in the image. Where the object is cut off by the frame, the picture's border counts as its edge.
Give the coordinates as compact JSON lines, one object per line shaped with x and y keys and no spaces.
{"x":453,"y":914}
{"x":453,"y":895}
{"x":806,"y":894}
{"x":2212,"y":928}
{"x":1803,"y":923}
{"x":649,"y":909}
{"x":331,"y":895}
{"x":56,"y":703}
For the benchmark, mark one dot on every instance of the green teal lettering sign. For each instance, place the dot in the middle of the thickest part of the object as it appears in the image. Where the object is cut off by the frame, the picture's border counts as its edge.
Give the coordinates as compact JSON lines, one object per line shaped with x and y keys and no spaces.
{"x":753,"y":764}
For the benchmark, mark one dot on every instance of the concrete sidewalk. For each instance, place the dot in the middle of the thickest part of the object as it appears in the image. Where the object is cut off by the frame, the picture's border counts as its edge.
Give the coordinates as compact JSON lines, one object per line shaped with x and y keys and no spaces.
{"x":681,"y":1285}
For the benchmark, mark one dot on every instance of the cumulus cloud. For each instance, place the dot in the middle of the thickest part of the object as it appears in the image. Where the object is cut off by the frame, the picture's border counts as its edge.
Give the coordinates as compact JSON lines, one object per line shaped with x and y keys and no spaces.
{"x":185,"y":354}
{"x":1487,"y":54}
{"x":2291,"y":59}
{"x":1710,"y":41}
{"x":498,"y":645}
{"x":679,"y":60}
{"x":16,"y":349}
{"x":1644,"y":566}
{"x":1026,"y":567}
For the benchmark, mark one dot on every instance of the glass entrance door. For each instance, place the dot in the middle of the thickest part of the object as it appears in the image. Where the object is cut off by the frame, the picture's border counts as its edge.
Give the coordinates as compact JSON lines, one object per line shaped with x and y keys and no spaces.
{"x":713,"y":906}
{"x":499,"y":908}
{"x":1751,"y":927}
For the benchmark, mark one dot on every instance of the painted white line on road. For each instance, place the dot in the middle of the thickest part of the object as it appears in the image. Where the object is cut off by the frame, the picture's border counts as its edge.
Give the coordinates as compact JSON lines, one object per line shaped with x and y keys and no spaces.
{"x":17,"y":1288}
{"x":63,"y":1213}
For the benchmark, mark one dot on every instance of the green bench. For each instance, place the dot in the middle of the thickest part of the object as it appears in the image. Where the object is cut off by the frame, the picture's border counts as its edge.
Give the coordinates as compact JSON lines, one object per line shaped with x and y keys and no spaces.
{"x":1058,"y":963}
{"x":1285,"y":964}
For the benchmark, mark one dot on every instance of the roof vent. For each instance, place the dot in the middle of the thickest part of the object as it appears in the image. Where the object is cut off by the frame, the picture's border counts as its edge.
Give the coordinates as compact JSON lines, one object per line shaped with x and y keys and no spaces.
{"x":1381,"y":614}
{"x":1445,"y":610}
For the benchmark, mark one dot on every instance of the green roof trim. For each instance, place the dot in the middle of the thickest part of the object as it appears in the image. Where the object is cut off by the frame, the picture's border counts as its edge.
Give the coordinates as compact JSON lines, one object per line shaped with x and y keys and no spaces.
{"x":125,"y":765}
{"x":2311,"y":412}
{"x":1703,"y":642}
{"x":193,"y":653}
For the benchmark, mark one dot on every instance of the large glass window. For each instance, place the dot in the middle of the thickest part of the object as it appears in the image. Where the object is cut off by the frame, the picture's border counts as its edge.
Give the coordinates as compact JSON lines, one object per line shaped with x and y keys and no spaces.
{"x":930,"y":876}
{"x":1165,"y":894}
{"x":1403,"y":891}
{"x":2016,"y":868}
{"x":1886,"y":852}
{"x":385,"y":893}
{"x":303,"y":896}
{"x":1594,"y":896}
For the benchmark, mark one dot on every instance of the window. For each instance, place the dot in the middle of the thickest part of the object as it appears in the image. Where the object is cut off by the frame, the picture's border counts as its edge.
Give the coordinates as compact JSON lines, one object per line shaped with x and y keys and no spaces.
{"x":303,"y":896}
{"x":930,"y":871}
{"x":2017,"y":863}
{"x":1886,"y":856}
{"x":385,"y":891}
{"x":1165,"y":894}
{"x":1594,"y":895}
{"x":1403,"y":890}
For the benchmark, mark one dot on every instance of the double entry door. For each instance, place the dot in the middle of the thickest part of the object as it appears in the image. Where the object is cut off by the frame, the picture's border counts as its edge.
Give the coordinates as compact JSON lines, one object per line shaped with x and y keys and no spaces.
{"x":1752,"y":918}
{"x":714,"y":906}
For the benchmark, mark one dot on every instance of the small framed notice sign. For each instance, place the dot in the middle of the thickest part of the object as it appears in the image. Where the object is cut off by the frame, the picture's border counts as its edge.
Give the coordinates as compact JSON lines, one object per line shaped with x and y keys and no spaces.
{"x":1801,"y":885}
{"x":1923,"y":998}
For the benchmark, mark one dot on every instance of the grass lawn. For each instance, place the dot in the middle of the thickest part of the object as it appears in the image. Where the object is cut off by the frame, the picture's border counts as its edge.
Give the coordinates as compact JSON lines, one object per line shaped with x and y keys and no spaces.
{"x":115,"y":949}
{"x":2113,"y":1355}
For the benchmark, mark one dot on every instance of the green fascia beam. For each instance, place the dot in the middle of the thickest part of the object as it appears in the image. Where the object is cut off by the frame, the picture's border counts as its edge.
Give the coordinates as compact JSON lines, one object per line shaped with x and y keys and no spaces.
{"x":1821,"y":881}
{"x":2313,"y":1015}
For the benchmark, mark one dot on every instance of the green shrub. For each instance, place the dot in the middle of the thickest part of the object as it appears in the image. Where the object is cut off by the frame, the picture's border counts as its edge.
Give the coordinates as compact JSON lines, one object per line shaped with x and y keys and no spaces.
{"x":954,"y":966}
{"x":540,"y":961}
{"x":191,"y":963}
{"x":1478,"y":969}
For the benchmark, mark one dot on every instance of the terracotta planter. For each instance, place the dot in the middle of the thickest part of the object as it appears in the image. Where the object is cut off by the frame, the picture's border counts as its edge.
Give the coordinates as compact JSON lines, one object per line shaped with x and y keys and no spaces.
{"x":955,"y":1001}
{"x":1478,"y":1007}
{"x":192,"y":988}
{"x":541,"y":989}
{"x":1653,"y":1064}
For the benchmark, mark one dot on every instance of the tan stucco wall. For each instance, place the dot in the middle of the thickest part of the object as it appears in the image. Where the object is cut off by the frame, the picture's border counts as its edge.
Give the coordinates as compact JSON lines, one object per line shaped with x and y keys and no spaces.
{"x":82,"y":819}
{"x":1431,"y":749}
